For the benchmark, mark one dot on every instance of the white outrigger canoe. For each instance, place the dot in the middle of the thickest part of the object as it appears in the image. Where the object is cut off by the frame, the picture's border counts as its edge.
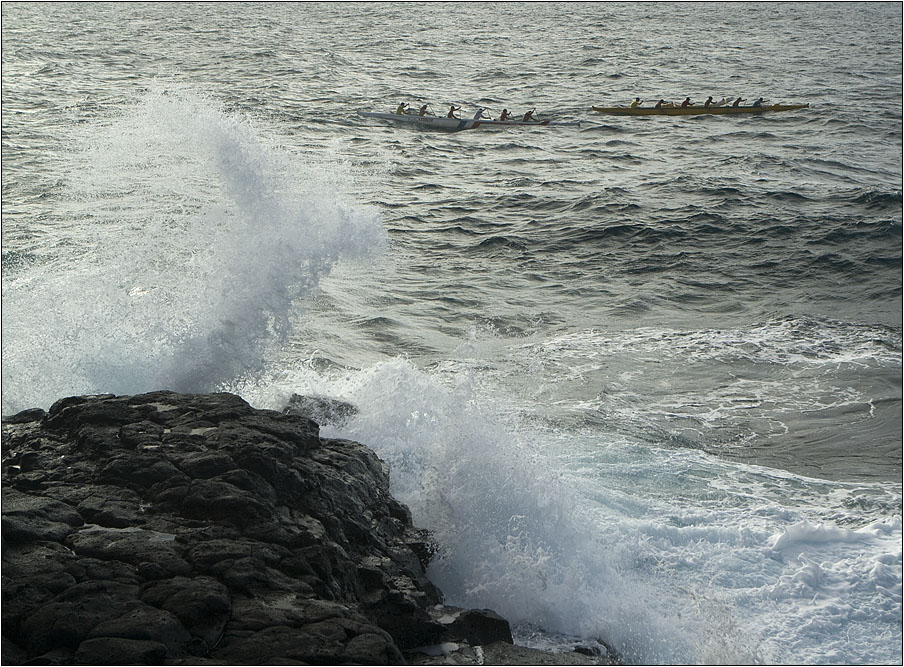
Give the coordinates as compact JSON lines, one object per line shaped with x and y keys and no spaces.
{"x":455,"y":124}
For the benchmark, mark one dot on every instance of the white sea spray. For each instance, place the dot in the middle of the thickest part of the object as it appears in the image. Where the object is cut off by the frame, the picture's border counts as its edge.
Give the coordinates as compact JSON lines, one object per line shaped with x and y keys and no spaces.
{"x":194,"y":238}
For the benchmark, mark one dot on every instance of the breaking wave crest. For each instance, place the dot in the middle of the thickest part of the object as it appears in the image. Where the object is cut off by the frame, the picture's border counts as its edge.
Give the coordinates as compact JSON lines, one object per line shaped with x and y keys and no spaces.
{"x":195,"y":238}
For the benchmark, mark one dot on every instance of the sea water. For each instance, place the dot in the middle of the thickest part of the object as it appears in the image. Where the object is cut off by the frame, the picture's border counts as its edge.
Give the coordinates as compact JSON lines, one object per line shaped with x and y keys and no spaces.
{"x":641,"y":378}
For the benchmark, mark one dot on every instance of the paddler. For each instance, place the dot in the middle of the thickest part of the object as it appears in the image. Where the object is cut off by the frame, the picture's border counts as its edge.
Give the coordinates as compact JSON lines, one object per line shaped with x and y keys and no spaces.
{"x":423,"y":110}
{"x":452,"y":110}
{"x":709,"y":102}
{"x":479,"y":115}
{"x":401,"y":110}
{"x":659,"y":104}
{"x":505,"y":115}
{"x":635,"y":103}
{"x":758,"y":103}
{"x":737,"y":102}
{"x":687,"y":102}
{"x":529,"y":116}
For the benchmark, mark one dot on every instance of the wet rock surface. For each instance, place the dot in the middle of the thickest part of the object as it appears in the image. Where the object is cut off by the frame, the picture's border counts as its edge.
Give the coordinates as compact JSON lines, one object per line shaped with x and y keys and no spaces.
{"x":167,"y":528}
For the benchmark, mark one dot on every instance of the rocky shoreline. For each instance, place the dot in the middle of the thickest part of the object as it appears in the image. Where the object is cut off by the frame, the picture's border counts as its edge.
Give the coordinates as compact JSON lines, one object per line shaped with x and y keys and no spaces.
{"x":181,"y":529}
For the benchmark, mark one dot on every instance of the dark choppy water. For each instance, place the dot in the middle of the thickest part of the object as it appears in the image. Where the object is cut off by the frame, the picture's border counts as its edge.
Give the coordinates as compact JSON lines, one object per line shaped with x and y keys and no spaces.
{"x":642,"y":377}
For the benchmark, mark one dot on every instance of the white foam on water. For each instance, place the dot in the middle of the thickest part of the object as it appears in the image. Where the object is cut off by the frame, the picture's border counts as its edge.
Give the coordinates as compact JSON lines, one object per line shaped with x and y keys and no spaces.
{"x":193,"y":235}
{"x":669,"y":555}
{"x":509,"y":536}
{"x":716,"y":389}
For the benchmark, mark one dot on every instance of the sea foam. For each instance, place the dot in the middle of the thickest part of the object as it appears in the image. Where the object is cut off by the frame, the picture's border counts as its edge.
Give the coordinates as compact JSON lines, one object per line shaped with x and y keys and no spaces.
{"x":668,"y":555}
{"x":514,"y":531}
{"x":193,"y":237}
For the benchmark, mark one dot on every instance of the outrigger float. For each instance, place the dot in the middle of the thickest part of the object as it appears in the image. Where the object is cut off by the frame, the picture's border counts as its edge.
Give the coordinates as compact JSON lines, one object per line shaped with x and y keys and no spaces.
{"x":695,"y":110}
{"x":457,"y":124}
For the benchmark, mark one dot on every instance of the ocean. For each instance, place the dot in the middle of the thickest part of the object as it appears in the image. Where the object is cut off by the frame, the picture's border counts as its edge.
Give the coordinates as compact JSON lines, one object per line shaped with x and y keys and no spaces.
{"x":640,"y":377}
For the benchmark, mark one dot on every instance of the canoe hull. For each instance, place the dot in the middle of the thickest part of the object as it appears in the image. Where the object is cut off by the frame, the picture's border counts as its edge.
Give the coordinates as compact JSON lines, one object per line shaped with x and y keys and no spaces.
{"x":453,"y":124}
{"x":427,"y":122}
{"x":695,"y":110}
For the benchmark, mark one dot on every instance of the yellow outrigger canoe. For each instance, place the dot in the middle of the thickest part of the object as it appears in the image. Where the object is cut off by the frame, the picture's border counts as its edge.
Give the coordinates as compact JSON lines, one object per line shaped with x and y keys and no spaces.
{"x":694,"y":110}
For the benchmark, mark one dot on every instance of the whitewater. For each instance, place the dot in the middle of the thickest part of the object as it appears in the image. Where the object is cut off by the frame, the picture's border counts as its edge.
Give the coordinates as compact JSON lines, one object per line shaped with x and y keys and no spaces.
{"x":641,"y":378}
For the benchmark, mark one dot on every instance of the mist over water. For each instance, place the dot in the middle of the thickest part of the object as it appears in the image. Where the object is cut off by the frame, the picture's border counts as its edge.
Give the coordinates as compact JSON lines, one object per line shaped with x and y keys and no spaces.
{"x":641,"y":378}
{"x":194,"y":241}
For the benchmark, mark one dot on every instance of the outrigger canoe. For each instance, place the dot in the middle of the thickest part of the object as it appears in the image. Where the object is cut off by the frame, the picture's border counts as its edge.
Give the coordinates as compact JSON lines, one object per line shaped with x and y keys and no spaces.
{"x":694,"y":110}
{"x":455,"y":124}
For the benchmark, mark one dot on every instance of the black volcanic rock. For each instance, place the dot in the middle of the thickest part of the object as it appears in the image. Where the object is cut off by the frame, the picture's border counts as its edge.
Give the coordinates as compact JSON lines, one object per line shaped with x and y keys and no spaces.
{"x":193,"y":529}
{"x":319,"y":408}
{"x":166,"y":527}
